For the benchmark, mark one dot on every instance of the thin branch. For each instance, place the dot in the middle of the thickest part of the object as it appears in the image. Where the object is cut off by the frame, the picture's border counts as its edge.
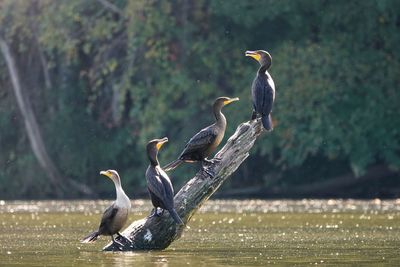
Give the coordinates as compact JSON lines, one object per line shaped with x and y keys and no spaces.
{"x":111,"y":7}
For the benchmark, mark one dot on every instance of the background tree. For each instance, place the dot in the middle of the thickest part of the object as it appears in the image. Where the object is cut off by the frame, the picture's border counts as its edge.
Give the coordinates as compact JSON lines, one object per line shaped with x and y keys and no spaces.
{"x":107,"y":76}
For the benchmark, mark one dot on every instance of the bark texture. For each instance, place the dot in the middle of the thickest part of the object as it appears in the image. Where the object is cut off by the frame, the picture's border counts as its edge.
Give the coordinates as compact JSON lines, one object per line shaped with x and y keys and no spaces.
{"x":155,"y":233}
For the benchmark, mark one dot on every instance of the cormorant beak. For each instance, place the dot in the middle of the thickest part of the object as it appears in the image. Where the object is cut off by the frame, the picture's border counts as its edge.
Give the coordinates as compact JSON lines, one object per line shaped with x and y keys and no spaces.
{"x":161,"y":143}
{"x":226,"y":102}
{"x":106,"y":173}
{"x":254,"y":55}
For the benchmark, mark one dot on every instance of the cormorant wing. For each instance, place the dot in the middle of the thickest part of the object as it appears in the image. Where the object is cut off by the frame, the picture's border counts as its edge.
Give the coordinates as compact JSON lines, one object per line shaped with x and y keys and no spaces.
{"x":201,"y":140}
{"x":160,"y":185}
{"x":263,"y":93}
{"x":155,"y":184}
{"x":108,"y":216}
{"x":168,"y":188}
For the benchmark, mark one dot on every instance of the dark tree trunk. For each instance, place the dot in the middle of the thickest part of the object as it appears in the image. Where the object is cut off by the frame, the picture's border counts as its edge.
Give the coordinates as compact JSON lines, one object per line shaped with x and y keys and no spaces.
{"x":159,"y":232}
{"x":33,"y":130}
{"x":30,"y":122}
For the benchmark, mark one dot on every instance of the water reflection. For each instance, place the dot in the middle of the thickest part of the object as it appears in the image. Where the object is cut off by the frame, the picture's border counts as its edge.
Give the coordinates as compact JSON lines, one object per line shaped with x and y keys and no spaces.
{"x":280,"y":232}
{"x":141,"y":206}
{"x":156,"y":259}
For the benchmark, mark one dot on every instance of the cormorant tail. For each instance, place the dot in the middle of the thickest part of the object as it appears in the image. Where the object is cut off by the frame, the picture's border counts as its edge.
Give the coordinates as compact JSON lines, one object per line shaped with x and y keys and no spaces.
{"x":267,"y":122}
{"x":176,"y":217}
{"x":90,"y":238}
{"x":172,"y":165}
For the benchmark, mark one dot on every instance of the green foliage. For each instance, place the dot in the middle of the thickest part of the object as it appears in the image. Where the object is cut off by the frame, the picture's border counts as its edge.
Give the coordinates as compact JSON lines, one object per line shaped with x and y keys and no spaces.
{"x":119,"y":80}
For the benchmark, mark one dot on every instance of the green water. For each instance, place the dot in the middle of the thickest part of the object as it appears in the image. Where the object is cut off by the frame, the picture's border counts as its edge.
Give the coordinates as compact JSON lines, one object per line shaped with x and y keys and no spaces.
{"x":223,"y":233}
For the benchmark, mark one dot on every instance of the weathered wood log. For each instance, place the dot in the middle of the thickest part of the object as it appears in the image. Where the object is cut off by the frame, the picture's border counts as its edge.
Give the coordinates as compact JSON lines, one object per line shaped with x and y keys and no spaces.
{"x":155,"y":233}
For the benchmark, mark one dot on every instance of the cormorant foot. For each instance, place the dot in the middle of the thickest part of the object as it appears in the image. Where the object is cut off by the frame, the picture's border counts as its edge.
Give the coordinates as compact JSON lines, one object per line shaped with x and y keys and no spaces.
{"x":207,"y":161}
{"x":254,"y":115}
{"x":155,"y":212}
{"x":159,"y":213}
{"x":216,"y":159}
{"x":125,"y":238}
{"x":209,"y":172}
{"x":117,"y":244}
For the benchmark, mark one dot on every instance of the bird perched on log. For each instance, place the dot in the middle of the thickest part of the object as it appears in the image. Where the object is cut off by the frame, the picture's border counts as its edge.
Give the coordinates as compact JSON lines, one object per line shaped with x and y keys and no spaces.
{"x":115,"y":216}
{"x":202,"y":144}
{"x":262,"y":89}
{"x":158,"y":183}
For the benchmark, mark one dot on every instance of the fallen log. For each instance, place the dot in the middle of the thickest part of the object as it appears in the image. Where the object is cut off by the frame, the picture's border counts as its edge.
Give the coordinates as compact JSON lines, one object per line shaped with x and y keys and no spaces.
{"x":156,"y":233}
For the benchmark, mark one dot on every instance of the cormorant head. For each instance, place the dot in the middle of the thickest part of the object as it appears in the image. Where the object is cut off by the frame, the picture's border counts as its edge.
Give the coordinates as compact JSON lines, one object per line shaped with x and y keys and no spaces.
{"x":262,"y":56}
{"x":153,"y":147}
{"x":113,"y":175}
{"x":223,"y":100}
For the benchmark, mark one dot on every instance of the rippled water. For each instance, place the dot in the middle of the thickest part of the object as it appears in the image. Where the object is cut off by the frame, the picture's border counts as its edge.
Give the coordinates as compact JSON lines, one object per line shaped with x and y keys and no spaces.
{"x":222,"y":233}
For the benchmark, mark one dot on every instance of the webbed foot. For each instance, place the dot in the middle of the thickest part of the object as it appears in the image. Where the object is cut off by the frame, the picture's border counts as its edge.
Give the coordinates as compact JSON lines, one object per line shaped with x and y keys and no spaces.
{"x":216,"y":159}
{"x":117,"y":244}
{"x":254,"y":115}
{"x":207,"y":161}
{"x":159,"y":212}
{"x":124,"y":238}
{"x":156,"y":212}
{"x":209,"y":172}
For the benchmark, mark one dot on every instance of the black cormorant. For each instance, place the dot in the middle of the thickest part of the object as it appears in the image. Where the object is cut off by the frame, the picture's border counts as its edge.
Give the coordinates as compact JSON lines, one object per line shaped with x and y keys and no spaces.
{"x":158,"y":182}
{"x":116,"y":215}
{"x":263,"y":88}
{"x":206,"y":141}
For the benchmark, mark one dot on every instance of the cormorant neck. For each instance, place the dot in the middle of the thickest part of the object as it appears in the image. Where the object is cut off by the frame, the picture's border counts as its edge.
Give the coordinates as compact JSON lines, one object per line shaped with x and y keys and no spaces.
{"x":264,"y":68}
{"x":122,"y":198}
{"x":154,"y":162}
{"x":265,"y":62}
{"x":219,"y":117}
{"x":153,"y":158}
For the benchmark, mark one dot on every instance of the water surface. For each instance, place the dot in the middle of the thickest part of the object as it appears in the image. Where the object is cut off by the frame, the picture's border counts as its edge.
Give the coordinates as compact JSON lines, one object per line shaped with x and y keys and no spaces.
{"x":222,"y":233}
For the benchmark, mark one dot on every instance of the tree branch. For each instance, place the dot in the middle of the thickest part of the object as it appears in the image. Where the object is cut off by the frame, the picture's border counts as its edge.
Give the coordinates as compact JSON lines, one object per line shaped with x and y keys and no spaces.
{"x":111,"y":7}
{"x":159,"y":232}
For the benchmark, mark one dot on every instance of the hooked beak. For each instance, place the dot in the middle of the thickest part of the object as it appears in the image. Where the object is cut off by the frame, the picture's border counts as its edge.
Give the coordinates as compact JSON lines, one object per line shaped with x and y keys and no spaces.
{"x":161,"y":143}
{"x":226,"y":102}
{"x":106,"y":173}
{"x":253,"y":54}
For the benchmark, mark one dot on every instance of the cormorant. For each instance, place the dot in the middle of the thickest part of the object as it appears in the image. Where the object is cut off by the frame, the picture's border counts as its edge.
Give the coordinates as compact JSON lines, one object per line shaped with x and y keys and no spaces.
{"x":158,"y":183}
{"x":116,"y":215}
{"x":201,"y":145}
{"x":263,"y":88}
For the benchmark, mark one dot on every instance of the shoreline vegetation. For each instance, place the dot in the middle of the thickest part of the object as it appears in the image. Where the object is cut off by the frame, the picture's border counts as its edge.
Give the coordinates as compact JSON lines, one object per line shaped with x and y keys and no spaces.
{"x":84,"y":86}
